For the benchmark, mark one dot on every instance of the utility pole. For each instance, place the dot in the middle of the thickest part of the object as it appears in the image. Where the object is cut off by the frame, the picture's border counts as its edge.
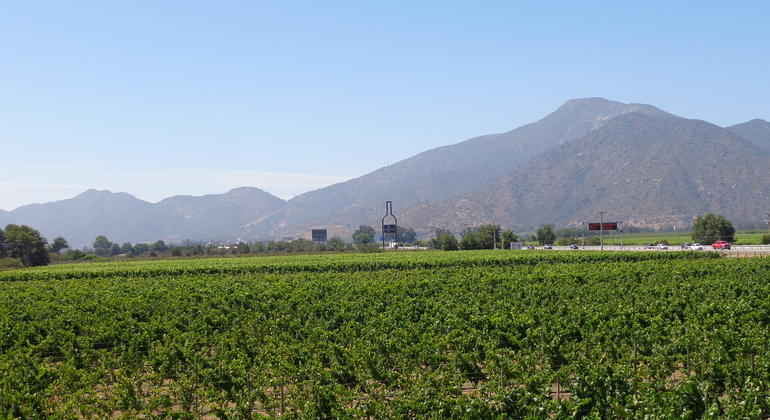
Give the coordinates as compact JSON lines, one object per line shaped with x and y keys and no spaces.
{"x":768,"y":222}
{"x":601,"y":228}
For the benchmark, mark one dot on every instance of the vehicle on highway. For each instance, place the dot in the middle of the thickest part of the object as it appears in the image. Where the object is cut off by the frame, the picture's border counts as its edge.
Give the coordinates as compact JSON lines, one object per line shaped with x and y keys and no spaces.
{"x":696,"y":247}
{"x":530,"y":247}
{"x":573,"y":246}
{"x":686,"y":245}
{"x":547,"y":246}
{"x":721,"y":245}
{"x":662,"y":246}
{"x":649,"y":246}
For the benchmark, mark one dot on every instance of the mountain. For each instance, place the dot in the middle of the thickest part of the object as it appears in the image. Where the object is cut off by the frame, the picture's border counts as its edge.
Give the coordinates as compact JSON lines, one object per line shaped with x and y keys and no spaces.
{"x":123,"y":218}
{"x":210,"y":217}
{"x":755,"y":131}
{"x":79,"y":219}
{"x":637,"y":163}
{"x":445,"y":172}
{"x":638,"y":169}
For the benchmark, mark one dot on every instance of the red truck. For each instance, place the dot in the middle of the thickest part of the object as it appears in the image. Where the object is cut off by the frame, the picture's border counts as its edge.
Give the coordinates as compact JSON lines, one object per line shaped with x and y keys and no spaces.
{"x":721,"y":245}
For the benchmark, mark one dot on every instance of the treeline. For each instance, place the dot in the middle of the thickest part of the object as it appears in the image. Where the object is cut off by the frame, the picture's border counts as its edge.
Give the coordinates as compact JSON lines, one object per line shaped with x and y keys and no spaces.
{"x":103,"y":247}
{"x":23,"y":246}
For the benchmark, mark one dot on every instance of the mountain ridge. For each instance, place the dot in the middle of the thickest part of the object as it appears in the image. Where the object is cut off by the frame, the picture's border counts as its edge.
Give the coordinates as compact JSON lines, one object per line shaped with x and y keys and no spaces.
{"x":457,"y":185}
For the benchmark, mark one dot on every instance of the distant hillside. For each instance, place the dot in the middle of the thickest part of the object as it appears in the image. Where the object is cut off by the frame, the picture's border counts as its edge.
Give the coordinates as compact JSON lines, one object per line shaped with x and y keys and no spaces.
{"x":754,"y":131}
{"x":637,"y":163}
{"x":639,"y":170}
{"x":76,"y":219}
{"x":446,"y":172}
{"x":210,"y":217}
{"x":123,"y":218}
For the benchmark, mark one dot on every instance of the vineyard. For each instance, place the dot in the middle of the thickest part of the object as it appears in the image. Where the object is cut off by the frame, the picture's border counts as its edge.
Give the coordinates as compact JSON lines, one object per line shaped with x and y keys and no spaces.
{"x":477,"y":334}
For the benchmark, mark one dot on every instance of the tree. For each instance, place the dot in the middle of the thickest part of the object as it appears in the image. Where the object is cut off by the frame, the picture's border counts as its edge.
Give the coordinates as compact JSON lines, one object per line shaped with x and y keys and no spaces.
{"x":127,"y":248}
{"x":362,"y":239}
{"x":102,"y":246}
{"x":507,"y":237}
{"x":365,"y":230}
{"x":711,"y":228}
{"x":159,"y":246}
{"x":243,"y":248}
{"x":404,"y":234}
{"x":140,"y":249}
{"x":75,"y":254}
{"x":545,"y":235}
{"x":27,"y":245}
{"x":447,"y":242}
{"x":487,"y":237}
{"x":59,"y":244}
{"x":336,"y":244}
{"x":2,"y":244}
{"x":301,"y":245}
{"x":469,"y":241}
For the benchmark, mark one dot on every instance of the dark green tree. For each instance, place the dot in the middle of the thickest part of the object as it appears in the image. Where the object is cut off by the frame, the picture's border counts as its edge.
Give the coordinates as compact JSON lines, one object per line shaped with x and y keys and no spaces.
{"x":489,"y":236}
{"x":140,"y":249}
{"x":366,"y":230}
{"x":545,"y":235}
{"x":404,"y":234}
{"x":362,"y":239}
{"x":26,"y":244}
{"x":102,"y":246}
{"x":711,"y":228}
{"x":336,"y":244}
{"x":127,"y":248}
{"x":447,"y":242}
{"x":243,"y":248}
{"x":59,"y":244}
{"x":75,"y":254}
{"x":469,"y":241}
{"x":2,"y":244}
{"x":159,"y":246}
{"x":301,"y":245}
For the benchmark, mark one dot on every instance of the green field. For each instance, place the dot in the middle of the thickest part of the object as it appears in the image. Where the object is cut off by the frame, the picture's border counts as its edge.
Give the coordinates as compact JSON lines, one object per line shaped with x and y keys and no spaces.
{"x":479,"y":334}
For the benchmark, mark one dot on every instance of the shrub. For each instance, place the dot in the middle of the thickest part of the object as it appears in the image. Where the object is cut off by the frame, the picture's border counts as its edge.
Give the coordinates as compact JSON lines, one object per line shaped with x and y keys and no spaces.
{"x":10,"y":263}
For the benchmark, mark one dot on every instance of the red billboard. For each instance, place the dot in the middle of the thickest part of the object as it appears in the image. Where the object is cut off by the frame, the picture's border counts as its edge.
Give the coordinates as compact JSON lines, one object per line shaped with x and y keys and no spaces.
{"x":603,"y":226}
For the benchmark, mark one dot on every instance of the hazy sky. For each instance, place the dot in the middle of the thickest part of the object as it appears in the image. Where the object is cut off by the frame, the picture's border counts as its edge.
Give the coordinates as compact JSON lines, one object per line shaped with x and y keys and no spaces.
{"x":163,"y":98}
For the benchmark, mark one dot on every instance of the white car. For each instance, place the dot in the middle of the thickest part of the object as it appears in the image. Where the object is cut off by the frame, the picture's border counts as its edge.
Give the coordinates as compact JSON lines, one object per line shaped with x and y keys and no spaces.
{"x":696,"y":247}
{"x":662,"y":246}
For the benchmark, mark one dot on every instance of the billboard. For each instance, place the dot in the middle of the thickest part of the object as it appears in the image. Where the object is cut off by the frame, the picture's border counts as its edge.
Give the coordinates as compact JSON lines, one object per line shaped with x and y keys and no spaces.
{"x":603,"y":226}
{"x":318,"y":235}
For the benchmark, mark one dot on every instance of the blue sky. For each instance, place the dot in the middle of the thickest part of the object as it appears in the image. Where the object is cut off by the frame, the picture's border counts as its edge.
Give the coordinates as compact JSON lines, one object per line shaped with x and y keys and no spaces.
{"x":190,"y":98}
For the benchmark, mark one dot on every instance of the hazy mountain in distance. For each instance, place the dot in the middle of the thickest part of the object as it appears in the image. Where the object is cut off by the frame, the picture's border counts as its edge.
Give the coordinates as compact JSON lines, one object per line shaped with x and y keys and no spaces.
{"x":213,"y":217}
{"x":81,"y":219}
{"x":448,"y":171}
{"x":123,"y":218}
{"x":755,"y":131}
{"x":638,"y":169}
{"x":637,"y":163}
